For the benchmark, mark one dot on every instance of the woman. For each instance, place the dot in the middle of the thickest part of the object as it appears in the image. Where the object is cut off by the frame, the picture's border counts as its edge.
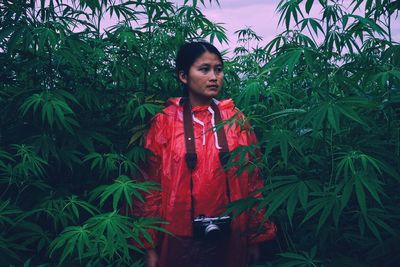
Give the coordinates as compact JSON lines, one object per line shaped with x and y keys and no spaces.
{"x":187,"y":161}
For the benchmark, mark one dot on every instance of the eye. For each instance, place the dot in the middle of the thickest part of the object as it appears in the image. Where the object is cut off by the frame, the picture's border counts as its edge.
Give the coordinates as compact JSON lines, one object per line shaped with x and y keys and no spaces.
{"x":204,"y":69}
{"x":219,"y":69}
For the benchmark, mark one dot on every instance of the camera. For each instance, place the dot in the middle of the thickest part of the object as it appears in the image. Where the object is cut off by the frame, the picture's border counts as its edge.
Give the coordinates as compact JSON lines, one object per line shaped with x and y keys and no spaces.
{"x":211,"y":227}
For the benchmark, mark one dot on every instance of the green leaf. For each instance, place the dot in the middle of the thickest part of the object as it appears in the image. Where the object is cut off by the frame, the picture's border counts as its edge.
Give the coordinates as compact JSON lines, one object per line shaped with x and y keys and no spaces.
{"x":309,"y":4}
{"x":360,"y":193}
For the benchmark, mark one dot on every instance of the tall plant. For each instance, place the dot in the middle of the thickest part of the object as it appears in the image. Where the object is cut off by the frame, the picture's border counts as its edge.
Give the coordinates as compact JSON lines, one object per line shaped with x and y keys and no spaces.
{"x":75,"y":99}
{"x":323,"y":97}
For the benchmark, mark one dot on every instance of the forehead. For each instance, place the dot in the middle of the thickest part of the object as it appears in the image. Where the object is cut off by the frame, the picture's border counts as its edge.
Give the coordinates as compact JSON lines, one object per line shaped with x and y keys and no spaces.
{"x":207,"y":58}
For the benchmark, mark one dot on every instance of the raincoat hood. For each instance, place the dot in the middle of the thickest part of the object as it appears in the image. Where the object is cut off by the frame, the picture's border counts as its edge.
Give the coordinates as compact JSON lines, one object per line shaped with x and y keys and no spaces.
{"x":175,"y":103}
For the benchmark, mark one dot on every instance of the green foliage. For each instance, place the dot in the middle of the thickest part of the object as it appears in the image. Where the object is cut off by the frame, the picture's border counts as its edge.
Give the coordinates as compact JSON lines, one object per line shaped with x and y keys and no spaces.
{"x":322,"y":97}
{"x":75,"y":101}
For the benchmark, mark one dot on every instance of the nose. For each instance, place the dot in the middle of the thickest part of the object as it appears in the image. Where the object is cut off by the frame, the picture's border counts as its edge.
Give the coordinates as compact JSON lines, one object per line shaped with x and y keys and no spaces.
{"x":213,"y":76}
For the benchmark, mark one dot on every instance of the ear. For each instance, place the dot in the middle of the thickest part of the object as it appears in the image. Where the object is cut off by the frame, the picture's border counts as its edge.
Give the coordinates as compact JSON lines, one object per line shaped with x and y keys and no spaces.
{"x":182,"y":77}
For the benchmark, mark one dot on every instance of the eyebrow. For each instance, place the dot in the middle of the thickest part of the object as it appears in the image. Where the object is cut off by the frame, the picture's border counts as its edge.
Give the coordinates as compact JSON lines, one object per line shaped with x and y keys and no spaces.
{"x":208,"y":64}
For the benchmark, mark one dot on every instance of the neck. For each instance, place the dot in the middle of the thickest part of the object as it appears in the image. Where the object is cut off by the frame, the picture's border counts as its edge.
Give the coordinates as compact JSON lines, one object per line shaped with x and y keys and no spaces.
{"x":199,"y":101}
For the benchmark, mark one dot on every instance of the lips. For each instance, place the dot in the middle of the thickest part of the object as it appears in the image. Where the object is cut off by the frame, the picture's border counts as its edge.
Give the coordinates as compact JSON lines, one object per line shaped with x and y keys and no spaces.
{"x":214,"y":86}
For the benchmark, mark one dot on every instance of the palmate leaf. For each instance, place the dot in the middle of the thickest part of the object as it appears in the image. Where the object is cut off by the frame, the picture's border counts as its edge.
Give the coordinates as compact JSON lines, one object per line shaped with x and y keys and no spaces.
{"x":94,"y":5}
{"x":325,"y":203}
{"x":111,"y":162}
{"x":128,"y":37}
{"x":123,"y":9}
{"x":289,"y":9}
{"x":243,"y":158}
{"x":285,"y":113}
{"x":32,"y":234}
{"x":123,"y":190}
{"x":62,"y":211}
{"x":104,"y":235}
{"x":367,"y":22}
{"x":29,"y":161}
{"x":45,"y":37}
{"x":53,"y":109}
{"x":72,"y":238}
{"x":309,"y":5}
{"x":276,"y":44}
{"x":112,"y":232}
{"x":313,"y":23}
{"x":277,"y":95}
{"x":247,"y":34}
{"x":140,"y":106}
{"x":331,"y":12}
{"x":194,"y":2}
{"x":137,"y":154}
{"x":363,"y":182}
{"x":141,"y":227}
{"x":5,"y":157}
{"x":331,"y":112}
{"x":351,"y":162}
{"x":7,"y":213}
{"x":10,"y":248}
{"x":284,"y":61}
{"x":285,"y":140}
{"x":286,"y":189}
{"x":251,"y":92}
{"x":304,"y":40}
{"x":138,"y":132}
{"x":377,"y":220}
{"x":106,"y":162}
{"x":383,"y":77}
{"x":96,"y":158}
{"x":238,"y":206}
{"x":215,"y":31}
{"x":74,"y":204}
{"x":28,"y":263}
{"x":301,"y":259}
{"x":392,"y":53}
{"x":360,"y":171}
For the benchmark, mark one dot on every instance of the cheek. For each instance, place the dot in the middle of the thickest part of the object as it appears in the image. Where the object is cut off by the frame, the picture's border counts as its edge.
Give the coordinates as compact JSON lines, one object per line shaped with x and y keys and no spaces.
{"x":198,"y":79}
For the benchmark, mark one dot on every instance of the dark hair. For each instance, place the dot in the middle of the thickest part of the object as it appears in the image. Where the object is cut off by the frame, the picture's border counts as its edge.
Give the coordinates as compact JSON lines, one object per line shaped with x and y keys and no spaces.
{"x":189,"y":52}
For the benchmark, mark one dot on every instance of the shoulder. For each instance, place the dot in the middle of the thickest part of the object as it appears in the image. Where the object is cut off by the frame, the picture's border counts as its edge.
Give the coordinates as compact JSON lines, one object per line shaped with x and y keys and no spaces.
{"x":230,"y":110}
{"x":165,"y":119}
{"x":234,"y":115}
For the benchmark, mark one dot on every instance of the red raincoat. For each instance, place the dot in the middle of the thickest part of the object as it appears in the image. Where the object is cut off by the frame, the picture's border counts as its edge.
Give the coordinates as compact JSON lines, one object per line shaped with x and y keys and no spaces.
{"x":167,"y":166}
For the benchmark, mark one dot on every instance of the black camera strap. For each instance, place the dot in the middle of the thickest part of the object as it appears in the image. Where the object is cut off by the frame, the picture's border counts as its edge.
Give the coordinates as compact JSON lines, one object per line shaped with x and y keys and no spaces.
{"x":191,"y":156}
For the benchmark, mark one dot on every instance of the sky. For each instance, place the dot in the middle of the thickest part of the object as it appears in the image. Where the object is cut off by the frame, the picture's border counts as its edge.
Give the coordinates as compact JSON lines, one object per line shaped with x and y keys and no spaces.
{"x":259,"y":15}
{"x":262,"y":17}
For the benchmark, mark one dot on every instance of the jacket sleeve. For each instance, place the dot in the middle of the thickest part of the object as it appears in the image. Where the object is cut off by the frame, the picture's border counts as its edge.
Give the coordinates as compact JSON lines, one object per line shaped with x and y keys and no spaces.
{"x":151,"y":171}
{"x":268,"y":230}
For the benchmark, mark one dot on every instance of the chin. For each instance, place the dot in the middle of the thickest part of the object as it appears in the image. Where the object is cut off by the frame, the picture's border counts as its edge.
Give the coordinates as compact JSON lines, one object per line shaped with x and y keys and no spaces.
{"x":213,"y":94}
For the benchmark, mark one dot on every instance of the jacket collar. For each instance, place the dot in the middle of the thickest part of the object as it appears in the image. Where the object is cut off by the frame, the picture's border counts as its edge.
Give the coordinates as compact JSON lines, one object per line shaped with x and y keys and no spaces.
{"x":222,"y":104}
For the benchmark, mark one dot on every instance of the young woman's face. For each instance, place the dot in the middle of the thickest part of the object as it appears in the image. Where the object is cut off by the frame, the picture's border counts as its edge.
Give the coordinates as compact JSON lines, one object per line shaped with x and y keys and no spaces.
{"x":204,"y":79}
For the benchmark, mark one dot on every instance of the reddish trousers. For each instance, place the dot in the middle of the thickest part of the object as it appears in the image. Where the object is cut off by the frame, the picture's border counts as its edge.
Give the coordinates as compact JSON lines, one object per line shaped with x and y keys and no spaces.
{"x":188,"y":252}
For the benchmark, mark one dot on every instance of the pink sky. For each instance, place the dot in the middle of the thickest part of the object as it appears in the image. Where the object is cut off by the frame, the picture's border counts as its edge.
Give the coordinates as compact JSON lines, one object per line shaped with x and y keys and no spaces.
{"x":261,"y":16}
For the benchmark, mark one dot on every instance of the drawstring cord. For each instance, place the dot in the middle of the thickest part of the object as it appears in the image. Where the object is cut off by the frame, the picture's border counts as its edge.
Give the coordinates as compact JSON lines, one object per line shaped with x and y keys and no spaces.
{"x":213,"y":127}
{"x":203,"y":130}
